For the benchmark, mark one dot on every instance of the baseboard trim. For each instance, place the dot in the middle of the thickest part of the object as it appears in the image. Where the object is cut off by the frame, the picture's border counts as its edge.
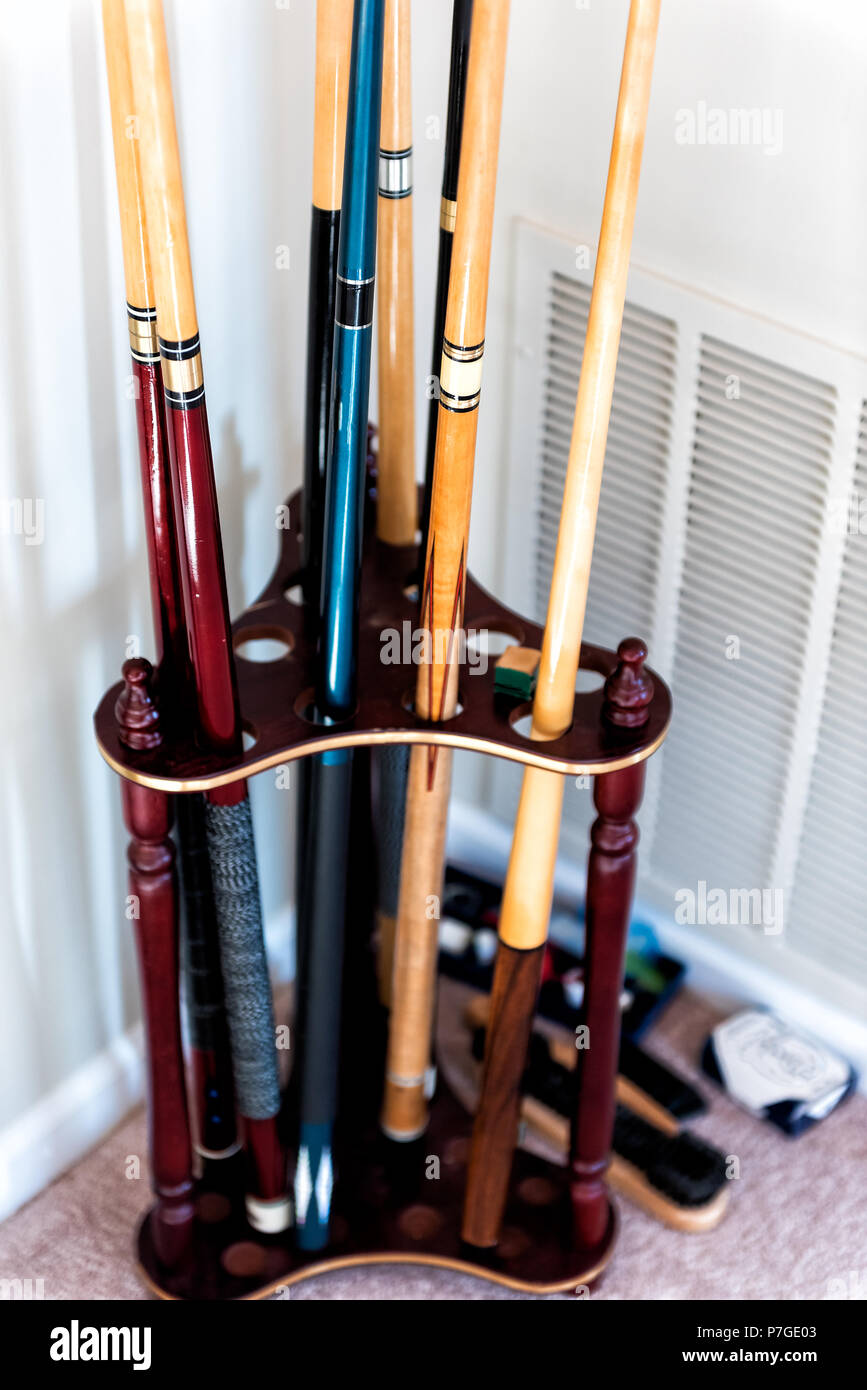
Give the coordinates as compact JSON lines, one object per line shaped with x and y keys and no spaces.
{"x":40,"y":1145}
{"x":479,"y":841}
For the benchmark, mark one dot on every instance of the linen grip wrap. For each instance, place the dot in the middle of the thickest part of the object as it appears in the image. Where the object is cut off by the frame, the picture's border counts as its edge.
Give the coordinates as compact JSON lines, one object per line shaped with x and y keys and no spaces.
{"x":246,"y":985}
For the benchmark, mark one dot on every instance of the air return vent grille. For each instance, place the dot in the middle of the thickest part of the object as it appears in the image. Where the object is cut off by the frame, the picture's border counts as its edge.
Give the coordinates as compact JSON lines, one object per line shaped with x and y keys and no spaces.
{"x":630,"y":509}
{"x":732,"y":442}
{"x":827,"y":917}
{"x":754,"y":525}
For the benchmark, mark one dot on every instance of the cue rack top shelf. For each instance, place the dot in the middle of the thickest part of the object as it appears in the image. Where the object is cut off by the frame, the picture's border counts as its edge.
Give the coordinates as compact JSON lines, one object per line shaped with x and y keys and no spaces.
{"x":276,"y":695}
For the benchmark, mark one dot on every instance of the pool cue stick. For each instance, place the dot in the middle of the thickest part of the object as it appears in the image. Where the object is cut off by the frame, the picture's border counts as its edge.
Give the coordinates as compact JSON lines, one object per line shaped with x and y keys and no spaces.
{"x":213,"y":1102}
{"x":460,"y":49}
{"x":404,"y":1109}
{"x":396,"y":508}
{"x":320,"y":972}
{"x":396,"y":500}
{"x":333,"y":38}
{"x":528,"y":893}
{"x":229,"y":826}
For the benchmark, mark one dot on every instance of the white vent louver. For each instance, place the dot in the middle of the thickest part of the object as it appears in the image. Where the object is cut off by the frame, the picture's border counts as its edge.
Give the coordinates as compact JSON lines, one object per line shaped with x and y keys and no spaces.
{"x":830,"y":885}
{"x":731,"y":441}
{"x":630,"y":507}
{"x":754,"y":524}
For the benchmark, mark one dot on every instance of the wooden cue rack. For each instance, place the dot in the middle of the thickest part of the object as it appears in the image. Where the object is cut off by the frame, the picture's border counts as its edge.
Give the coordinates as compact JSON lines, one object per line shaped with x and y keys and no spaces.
{"x":195,"y":1242}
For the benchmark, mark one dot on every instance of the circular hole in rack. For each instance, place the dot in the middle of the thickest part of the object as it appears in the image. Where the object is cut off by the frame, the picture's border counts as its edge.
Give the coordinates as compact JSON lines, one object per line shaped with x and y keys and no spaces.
{"x":494,"y":633}
{"x":522,"y":723}
{"x":263,"y":644}
{"x":407,"y":701}
{"x":492,"y":641}
{"x":305,"y":708}
{"x":588,"y":680}
{"x":521,"y":720}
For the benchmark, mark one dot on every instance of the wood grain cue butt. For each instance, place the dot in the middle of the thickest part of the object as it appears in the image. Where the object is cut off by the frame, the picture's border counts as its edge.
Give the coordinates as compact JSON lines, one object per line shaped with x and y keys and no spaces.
{"x":404,"y":1112}
{"x":513,"y":1001}
{"x":416,"y":942}
{"x":528,"y":892}
{"x":561,"y":1046}
{"x":396,"y":492}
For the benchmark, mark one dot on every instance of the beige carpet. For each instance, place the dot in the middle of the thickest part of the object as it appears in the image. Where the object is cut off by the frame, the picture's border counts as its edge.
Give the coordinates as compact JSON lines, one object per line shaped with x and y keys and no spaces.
{"x":797,"y":1219}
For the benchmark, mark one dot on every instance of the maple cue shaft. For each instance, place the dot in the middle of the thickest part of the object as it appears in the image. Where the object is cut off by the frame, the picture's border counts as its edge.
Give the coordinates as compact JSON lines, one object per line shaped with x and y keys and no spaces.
{"x":229,"y":826}
{"x":211,"y":1063}
{"x":404,"y":1109}
{"x":529,"y":885}
{"x":396,"y":508}
{"x":396,"y":497}
{"x":394,"y":761}
{"x":460,"y":50}
{"x":320,"y":978}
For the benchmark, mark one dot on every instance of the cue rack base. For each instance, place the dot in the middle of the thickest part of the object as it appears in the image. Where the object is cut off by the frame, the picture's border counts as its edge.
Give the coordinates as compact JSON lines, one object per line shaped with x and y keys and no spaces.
{"x":387,"y":1212}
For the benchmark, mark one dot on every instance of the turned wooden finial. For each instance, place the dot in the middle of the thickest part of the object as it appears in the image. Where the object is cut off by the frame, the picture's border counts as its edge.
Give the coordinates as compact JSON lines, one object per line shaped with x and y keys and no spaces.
{"x":136,"y":713}
{"x":629,"y":690}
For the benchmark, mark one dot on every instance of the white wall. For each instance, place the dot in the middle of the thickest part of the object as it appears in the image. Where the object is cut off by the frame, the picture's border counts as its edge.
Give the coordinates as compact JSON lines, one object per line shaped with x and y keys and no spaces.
{"x":783,"y":234}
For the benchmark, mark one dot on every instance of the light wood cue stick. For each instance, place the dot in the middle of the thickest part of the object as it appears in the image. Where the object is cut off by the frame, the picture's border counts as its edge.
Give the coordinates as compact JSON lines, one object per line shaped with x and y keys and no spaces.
{"x":404,"y":1113}
{"x":529,"y":886}
{"x":396,"y":507}
{"x":396,"y":498}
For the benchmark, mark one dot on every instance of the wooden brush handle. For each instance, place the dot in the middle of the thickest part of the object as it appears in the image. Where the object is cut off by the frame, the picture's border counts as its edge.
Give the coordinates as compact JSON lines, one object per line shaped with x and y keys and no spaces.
{"x":396,"y":506}
{"x":414,"y":969}
{"x":528,"y":892}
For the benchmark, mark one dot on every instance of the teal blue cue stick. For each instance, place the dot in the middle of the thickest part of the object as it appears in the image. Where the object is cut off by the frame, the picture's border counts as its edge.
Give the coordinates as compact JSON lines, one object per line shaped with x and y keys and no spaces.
{"x":326,"y":866}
